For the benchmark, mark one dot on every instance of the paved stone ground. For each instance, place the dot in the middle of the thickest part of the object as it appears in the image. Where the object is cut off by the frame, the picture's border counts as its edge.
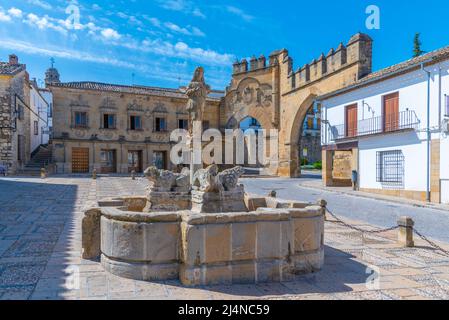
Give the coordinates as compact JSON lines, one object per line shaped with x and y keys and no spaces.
{"x":375,"y":211}
{"x":40,"y":246}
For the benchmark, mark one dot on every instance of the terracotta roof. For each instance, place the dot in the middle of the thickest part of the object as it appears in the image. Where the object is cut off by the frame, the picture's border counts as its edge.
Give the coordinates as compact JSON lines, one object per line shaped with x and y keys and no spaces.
{"x":397,"y":69}
{"x":143,"y":90}
{"x":11,"y":69}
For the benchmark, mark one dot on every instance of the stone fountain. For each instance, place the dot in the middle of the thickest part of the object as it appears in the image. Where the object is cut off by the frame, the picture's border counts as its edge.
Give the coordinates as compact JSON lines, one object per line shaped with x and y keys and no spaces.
{"x":199,"y":226}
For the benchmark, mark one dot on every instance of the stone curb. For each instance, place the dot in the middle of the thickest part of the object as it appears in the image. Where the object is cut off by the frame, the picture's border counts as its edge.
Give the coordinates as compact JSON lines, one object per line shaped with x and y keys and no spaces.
{"x":373,"y":197}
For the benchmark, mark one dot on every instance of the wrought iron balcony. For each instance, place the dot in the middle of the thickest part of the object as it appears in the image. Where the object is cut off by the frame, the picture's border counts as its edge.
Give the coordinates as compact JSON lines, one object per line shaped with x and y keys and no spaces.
{"x":405,"y":120}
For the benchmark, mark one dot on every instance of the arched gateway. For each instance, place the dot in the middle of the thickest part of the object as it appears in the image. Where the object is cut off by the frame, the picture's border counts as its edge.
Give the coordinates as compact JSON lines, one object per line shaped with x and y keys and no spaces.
{"x":280,"y":97}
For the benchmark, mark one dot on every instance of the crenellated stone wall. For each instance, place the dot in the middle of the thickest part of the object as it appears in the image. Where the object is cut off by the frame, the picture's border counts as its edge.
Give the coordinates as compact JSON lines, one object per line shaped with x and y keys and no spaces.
{"x":291,"y":93}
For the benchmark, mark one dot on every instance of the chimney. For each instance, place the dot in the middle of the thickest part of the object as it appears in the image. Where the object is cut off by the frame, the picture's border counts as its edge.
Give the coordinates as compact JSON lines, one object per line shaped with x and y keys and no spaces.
{"x":13,"y":59}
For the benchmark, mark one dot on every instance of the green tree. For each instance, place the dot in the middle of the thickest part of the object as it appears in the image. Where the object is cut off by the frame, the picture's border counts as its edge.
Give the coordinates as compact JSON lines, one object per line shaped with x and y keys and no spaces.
{"x":417,"y":46}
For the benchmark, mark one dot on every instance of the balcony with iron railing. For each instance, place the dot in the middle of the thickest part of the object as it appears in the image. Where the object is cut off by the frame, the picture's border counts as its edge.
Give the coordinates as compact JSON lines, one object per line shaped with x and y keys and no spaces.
{"x":405,"y":120}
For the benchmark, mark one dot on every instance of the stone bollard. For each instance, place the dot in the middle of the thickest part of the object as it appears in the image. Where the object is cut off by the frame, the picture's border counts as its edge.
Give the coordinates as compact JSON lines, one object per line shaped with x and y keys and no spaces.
{"x":94,"y":174}
{"x":133,"y":175}
{"x":43,"y":173}
{"x":272,"y":194}
{"x":405,"y":233}
{"x":323,"y":204}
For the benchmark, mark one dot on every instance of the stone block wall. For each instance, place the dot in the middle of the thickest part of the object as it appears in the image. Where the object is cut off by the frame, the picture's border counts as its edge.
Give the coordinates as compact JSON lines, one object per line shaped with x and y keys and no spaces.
{"x":274,"y":243}
{"x":269,"y":245}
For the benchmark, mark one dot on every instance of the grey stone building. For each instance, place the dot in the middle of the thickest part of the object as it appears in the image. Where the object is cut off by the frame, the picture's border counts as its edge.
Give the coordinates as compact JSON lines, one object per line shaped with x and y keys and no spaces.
{"x":14,"y":115}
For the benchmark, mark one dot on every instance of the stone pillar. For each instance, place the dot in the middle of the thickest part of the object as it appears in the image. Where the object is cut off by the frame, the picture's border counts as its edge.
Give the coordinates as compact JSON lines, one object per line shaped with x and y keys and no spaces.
{"x":197,"y":92}
{"x":435,"y":192}
{"x":327,"y":168}
{"x":196,"y":149}
{"x":405,"y":233}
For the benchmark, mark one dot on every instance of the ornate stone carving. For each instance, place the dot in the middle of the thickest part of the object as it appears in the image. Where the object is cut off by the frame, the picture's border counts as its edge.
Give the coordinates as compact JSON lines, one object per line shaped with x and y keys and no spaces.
{"x":251,"y":92}
{"x":160,"y":108}
{"x":108,"y":104}
{"x":79,"y":103}
{"x":167,"y":181}
{"x":229,"y":178}
{"x":197,"y":92}
{"x":210,"y":180}
{"x":135,"y":106}
{"x":248,"y":95}
{"x":80,"y":133}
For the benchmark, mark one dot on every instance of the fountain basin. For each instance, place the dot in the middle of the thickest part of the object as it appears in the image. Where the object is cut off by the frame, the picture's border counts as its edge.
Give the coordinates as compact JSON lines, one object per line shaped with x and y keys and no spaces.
{"x":272,"y":242}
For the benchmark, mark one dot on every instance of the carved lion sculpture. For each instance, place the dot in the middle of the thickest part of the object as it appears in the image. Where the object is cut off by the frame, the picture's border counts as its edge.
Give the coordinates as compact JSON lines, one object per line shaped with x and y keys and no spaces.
{"x":167,"y":181}
{"x":210,"y":180}
{"x":205,"y":180}
{"x":230,"y":178}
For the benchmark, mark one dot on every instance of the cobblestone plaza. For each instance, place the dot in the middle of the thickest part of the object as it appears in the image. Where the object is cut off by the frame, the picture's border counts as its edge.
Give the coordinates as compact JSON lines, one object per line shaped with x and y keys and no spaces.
{"x":40,"y":254}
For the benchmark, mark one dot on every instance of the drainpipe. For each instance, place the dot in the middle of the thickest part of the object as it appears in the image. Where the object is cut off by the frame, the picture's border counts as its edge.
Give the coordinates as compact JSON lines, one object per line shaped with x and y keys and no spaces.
{"x":428,"y":131}
{"x":439,"y":99}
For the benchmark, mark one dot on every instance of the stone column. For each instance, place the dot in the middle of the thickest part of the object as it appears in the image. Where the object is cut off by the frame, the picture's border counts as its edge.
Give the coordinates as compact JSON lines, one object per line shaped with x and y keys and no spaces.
{"x":405,"y":233}
{"x":327,"y":168}
{"x":197,"y":92}
{"x":195,"y":149}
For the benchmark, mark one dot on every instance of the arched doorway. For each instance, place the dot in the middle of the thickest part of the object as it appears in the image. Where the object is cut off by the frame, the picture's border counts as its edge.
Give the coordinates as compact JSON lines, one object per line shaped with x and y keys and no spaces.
{"x":251,"y":127}
{"x":310,"y":139}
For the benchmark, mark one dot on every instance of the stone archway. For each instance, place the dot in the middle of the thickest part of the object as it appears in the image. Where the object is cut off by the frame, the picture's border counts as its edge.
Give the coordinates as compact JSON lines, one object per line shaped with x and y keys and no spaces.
{"x":294,"y":135}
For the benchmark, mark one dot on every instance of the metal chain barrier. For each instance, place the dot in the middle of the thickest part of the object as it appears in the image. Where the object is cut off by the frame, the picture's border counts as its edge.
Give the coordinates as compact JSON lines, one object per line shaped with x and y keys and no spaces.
{"x":345,"y":224}
{"x":341,"y":222}
{"x":431,"y":243}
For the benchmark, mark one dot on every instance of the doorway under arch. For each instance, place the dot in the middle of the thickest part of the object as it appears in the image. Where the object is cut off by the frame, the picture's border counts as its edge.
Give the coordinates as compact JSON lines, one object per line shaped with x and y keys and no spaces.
{"x":250,"y":125}
{"x":310,"y":138}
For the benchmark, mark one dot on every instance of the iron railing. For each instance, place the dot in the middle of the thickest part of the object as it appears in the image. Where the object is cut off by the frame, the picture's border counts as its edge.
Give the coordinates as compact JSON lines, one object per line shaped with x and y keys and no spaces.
{"x":377,"y":125}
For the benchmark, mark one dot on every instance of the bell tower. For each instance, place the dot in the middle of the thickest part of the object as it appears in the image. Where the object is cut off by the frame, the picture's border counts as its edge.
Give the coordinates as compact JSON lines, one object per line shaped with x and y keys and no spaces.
{"x":52,"y":74}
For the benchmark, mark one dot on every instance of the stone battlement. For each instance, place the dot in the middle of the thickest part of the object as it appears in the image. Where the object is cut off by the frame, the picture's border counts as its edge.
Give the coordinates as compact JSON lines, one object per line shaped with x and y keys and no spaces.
{"x":254,"y":64}
{"x":357,"y":50}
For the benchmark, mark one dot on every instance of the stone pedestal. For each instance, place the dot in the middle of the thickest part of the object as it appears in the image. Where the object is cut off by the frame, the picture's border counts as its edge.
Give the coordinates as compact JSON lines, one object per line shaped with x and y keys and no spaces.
{"x":405,"y":233}
{"x":216,"y":202}
{"x":167,"y":201}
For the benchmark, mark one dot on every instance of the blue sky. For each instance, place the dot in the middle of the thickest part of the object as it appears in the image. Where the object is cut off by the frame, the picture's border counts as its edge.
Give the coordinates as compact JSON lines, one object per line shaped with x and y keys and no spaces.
{"x":162,"y":41}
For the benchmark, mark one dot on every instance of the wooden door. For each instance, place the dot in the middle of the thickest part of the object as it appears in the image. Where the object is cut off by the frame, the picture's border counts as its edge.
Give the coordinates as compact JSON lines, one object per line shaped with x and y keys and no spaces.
{"x":351,"y":121}
{"x":108,"y":161}
{"x":80,"y":160}
{"x":391,"y":112}
{"x":135,"y":161}
{"x":159,"y":160}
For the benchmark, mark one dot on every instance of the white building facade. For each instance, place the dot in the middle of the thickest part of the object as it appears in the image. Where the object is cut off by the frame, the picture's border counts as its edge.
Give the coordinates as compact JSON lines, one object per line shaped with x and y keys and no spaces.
{"x":48,"y":97}
{"x":39,"y":134}
{"x":389,"y":132}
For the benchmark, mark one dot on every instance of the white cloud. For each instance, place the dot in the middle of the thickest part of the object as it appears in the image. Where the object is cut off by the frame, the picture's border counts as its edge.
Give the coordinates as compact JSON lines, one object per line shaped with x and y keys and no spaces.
{"x":154,"y":21}
{"x":110,"y":34}
{"x":175,"y":28}
{"x":197,"y":13}
{"x":175,"y":5}
{"x":44,"y":23}
{"x":66,"y":54}
{"x":188,"y":31}
{"x":16,"y":13}
{"x":40,"y":3}
{"x":239,"y":12}
{"x":197,"y":32}
{"x":4,"y":17}
{"x":183,"y":50}
{"x":185,"y":6}
{"x":170,"y":72}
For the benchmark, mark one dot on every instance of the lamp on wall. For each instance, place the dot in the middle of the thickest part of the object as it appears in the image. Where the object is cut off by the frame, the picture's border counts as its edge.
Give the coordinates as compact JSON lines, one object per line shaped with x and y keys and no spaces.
{"x":369,"y":109}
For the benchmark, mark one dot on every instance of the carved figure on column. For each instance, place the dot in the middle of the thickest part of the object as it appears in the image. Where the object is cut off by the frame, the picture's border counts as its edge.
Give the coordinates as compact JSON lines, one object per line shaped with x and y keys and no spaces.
{"x":197,"y":92}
